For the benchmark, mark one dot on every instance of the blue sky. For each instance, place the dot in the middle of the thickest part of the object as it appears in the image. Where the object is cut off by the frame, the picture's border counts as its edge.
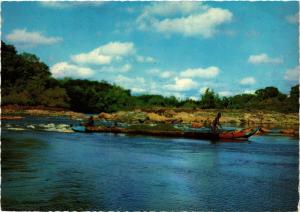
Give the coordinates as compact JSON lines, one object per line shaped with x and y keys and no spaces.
{"x":168,"y":48}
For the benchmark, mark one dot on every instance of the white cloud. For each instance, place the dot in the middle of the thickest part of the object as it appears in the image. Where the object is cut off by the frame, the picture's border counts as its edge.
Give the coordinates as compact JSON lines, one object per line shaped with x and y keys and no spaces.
{"x":129,"y":81}
{"x":69,"y":4}
{"x":153,"y":71}
{"x":206,"y":73}
{"x":142,"y":59}
{"x":22,"y":36}
{"x":172,"y":8}
{"x":115,"y":69}
{"x":193,"y":18}
{"x":64,"y":69}
{"x":105,"y":54}
{"x":116,"y":48}
{"x":209,"y":72}
{"x":263,"y":59}
{"x":140,"y":85}
{"x":56,"y":4}
{"x":247,"y":81}
{"x":161,"y":74}
{"x":225,"y":93}
{"x":181,"y":84}
{"x":194,"y":98}
{"x":92,"y":58}
{"x":292,"y":74}
{"x":204,"y":25}
{"x":166,"y":74}
{"x":125,"y":68}
{"x":249,"y":91}
{"x":138,"y":90}
{"x":153,"y":87}
{"x":135,"y":84}
{"x":293,"y":19}
{"x":150,"y":60}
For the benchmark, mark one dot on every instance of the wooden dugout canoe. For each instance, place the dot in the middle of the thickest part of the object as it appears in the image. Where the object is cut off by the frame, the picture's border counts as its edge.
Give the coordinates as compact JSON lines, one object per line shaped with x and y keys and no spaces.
{"x":238,"y":134}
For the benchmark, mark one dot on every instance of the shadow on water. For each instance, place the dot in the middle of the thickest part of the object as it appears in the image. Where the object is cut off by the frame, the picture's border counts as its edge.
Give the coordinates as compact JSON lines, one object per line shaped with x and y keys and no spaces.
{"x":16,"y":154}
{"x":17,"y":157}
{"x":33,"y":178}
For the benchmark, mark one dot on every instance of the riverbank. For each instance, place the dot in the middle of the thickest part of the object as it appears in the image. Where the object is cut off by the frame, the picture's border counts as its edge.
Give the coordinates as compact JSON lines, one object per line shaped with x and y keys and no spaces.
{"x":288,"y":123}
{"x":203,"y":117}
{"x":15,"y":112}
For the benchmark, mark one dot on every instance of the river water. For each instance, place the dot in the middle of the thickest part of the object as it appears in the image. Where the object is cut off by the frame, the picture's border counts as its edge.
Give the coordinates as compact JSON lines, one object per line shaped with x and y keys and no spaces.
{"x":44,"y":170}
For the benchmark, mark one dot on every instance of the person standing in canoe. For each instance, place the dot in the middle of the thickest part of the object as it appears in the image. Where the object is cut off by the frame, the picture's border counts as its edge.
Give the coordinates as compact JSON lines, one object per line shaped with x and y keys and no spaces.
{"x":216,"y":123}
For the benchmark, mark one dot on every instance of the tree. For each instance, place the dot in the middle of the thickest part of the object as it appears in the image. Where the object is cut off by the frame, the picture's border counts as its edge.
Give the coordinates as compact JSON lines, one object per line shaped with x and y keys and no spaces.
{"x":157,"y":100}
{"x":291,"y":103}
{"x":225,"y":102}
{"x":240,"y":101}
{"x":54,"y":97}
{"x":92,"y":96}
{"x":26,"y":80}
{"x":171,"y":101}
{"x":8,"y":67}
{"x":294,"y":92}
{"x":208,"y":99}
{"x":116,"y":99}
{"x":189,"y":103}
{"x":19,"y":69}
{"x":268,"y":92}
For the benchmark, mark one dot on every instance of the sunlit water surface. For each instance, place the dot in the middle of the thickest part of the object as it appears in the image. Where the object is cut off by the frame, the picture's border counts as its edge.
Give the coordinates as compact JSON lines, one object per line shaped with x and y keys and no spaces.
{"x":76,"y":171}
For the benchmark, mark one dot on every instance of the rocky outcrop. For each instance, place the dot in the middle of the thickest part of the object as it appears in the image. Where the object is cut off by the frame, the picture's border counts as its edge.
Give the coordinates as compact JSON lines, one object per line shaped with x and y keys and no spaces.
{"x":53,"y":127}
{"x":157,"y":118}
{"x":289,"y":132}
{"x":18,"y":112}
{"x":204,"y":117}
{"x":105,"y":116}
{"x":131,"y":117}
{"x":11,"y":117}
{"x":196,"y":125}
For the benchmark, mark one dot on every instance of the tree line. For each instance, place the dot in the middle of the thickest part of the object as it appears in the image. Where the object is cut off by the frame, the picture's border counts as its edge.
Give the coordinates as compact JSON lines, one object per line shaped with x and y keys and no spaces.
{"x":27,"y":81}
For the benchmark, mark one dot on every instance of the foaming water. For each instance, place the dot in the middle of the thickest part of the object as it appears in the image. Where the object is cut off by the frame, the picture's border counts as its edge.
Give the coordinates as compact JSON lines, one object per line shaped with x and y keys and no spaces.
{"x":61,"y":171}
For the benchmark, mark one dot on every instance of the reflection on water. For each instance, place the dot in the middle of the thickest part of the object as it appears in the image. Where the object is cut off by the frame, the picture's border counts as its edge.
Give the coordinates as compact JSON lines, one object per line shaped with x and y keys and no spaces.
{"x":59,"y":171}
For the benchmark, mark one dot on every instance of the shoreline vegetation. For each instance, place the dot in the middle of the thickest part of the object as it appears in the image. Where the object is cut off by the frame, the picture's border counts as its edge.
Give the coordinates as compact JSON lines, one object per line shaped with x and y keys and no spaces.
{"x":28,"y":88}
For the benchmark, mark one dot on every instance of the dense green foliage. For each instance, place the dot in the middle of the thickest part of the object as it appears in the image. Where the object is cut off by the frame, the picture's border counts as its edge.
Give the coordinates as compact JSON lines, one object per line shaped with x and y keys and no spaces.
{"x":144,"y":101}
{"x":27,"y":81}
{"x":92,"y":96}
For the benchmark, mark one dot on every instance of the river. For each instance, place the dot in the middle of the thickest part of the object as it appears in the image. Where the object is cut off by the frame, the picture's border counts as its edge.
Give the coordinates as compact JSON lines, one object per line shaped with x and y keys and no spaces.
{"x":43,"y":170}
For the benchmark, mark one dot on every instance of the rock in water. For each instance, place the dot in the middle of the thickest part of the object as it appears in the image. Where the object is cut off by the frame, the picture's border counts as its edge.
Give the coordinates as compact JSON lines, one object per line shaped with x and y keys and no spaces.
{"x":31,"y":126}
{"x":16,"y":128}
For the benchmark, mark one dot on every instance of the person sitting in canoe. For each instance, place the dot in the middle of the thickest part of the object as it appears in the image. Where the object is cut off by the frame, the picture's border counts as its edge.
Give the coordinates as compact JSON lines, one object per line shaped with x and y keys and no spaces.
{"x":89,"y":123}
{"x":216,"y":123}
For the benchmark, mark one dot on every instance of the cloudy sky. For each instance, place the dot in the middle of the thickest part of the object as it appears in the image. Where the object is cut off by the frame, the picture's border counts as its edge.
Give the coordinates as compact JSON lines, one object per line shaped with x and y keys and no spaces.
{"x":168,"y":48}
